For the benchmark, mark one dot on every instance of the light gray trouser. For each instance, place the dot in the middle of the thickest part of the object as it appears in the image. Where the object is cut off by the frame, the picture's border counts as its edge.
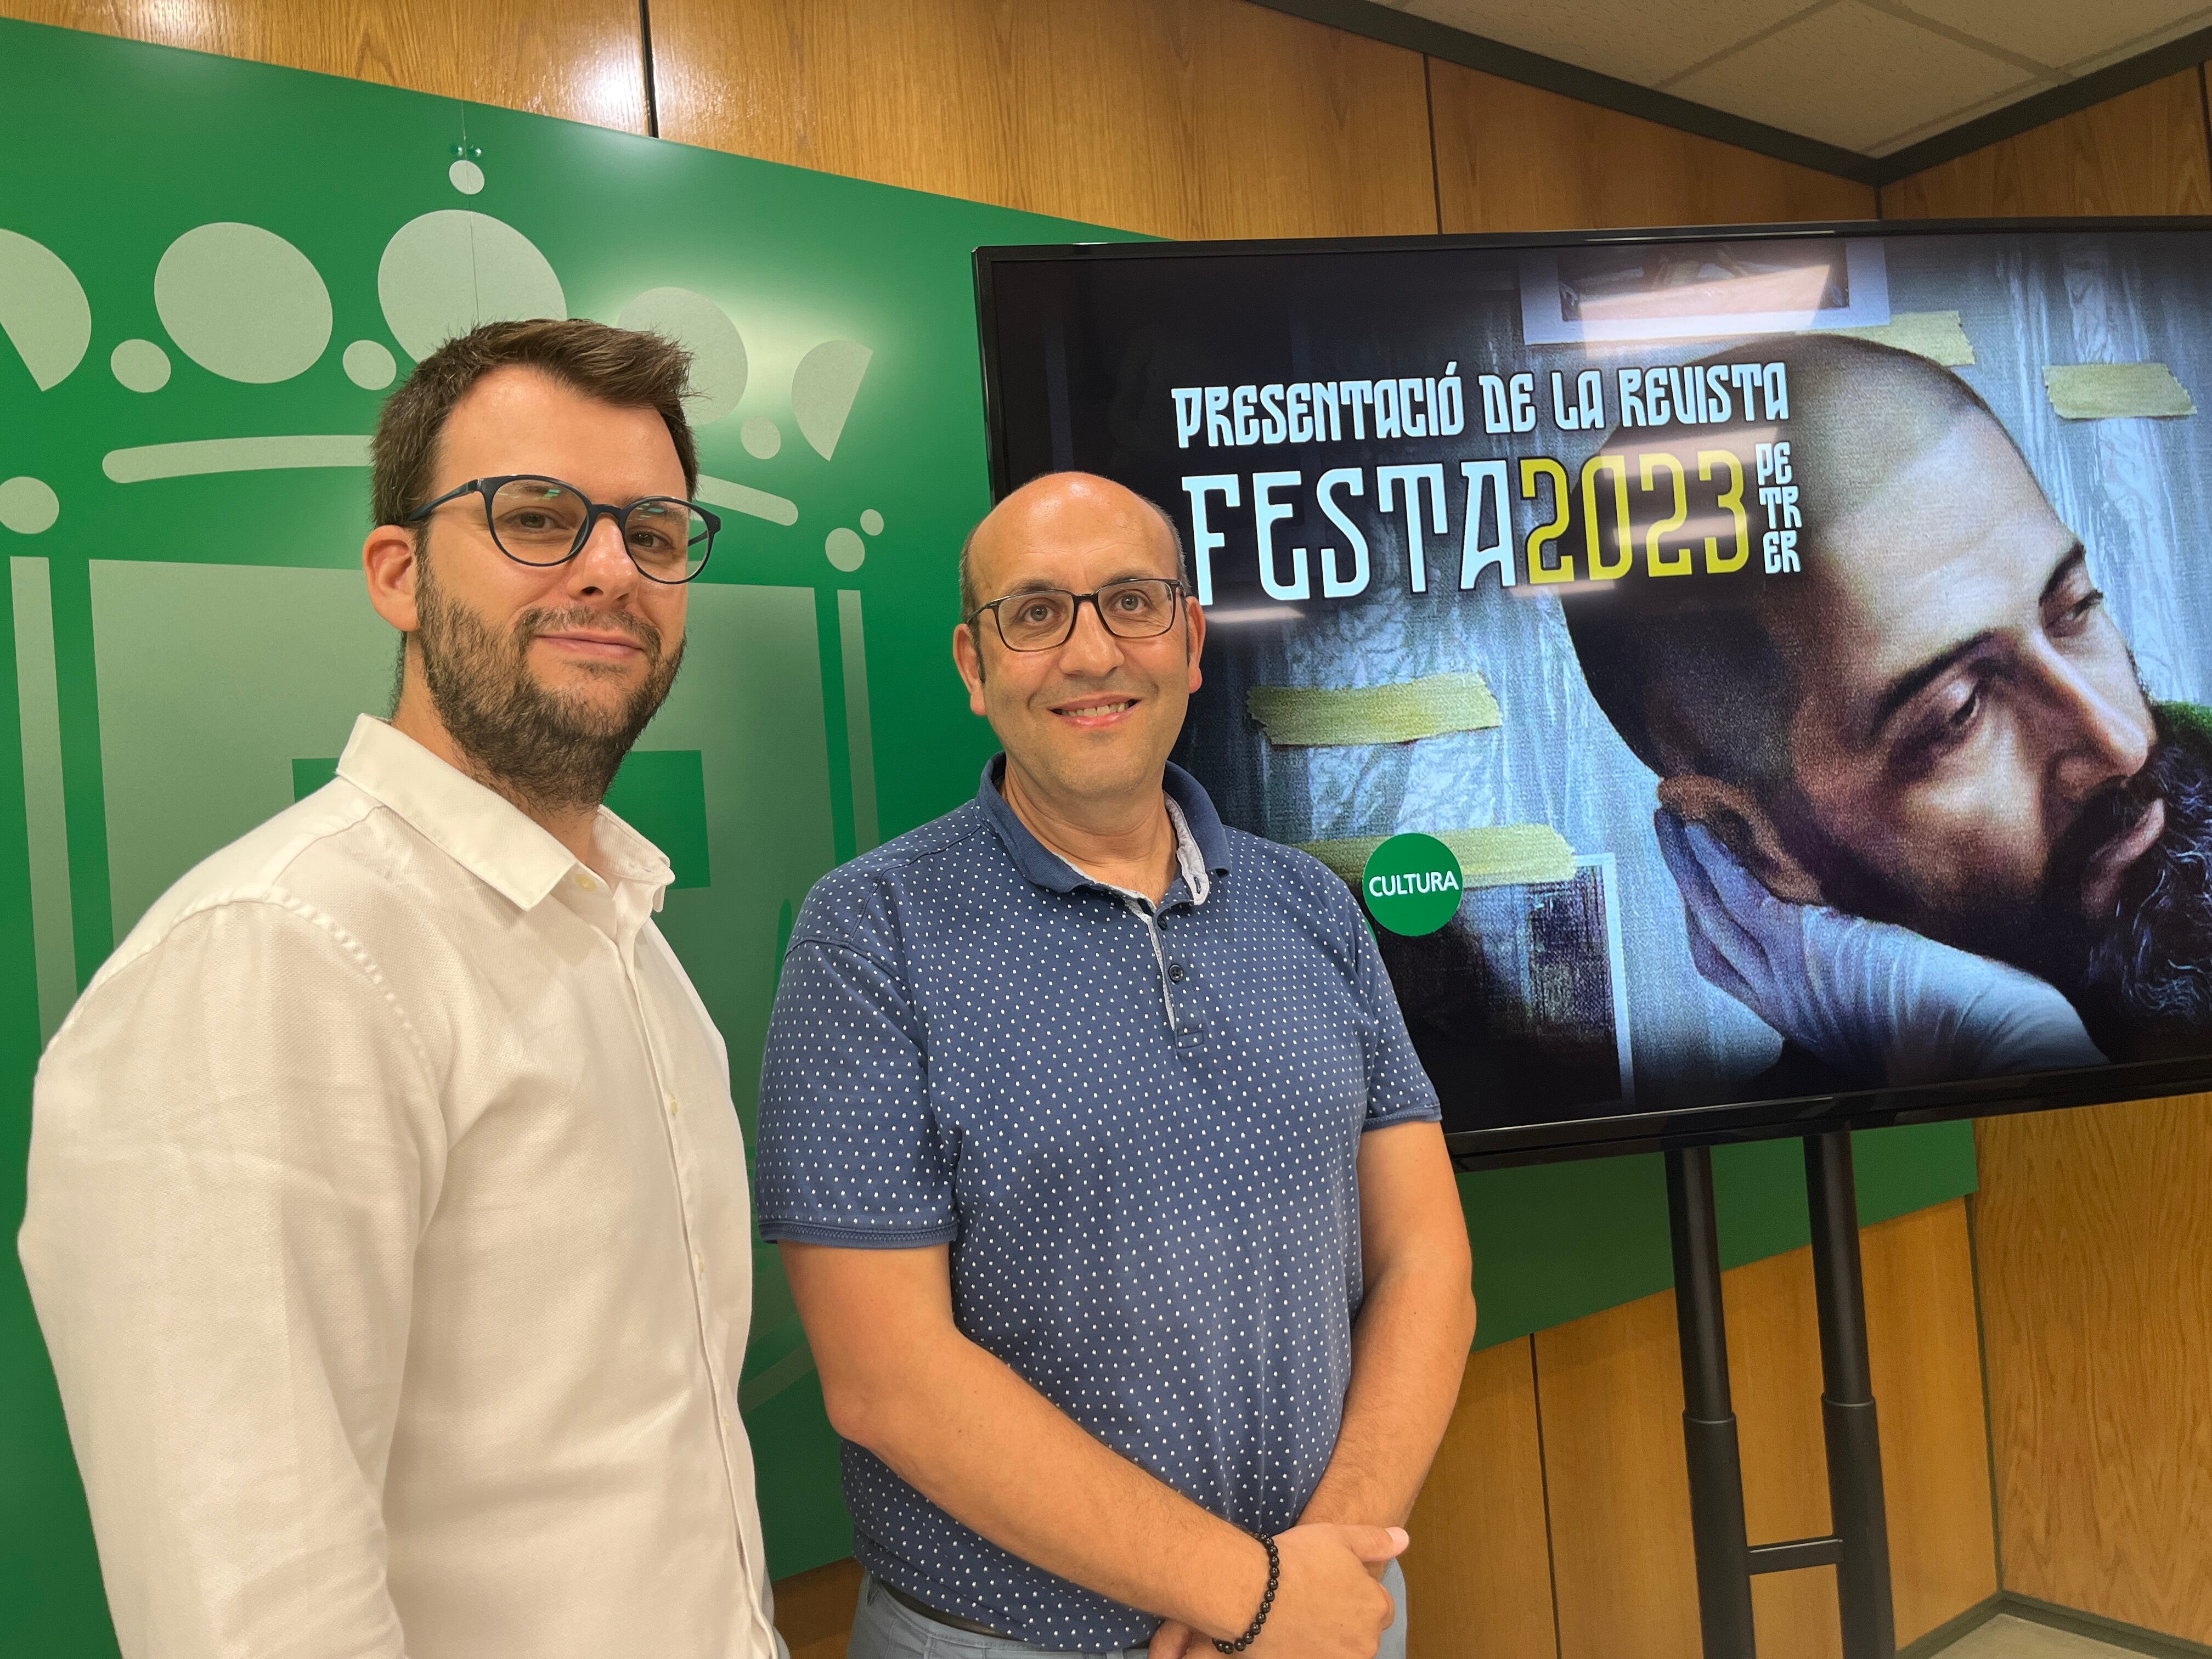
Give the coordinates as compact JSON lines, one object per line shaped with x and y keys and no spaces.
{"x":883,"y":1628}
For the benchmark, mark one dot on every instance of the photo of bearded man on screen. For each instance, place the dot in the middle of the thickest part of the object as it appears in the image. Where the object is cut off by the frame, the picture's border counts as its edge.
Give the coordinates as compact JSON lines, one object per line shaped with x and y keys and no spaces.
{"x":1927,"y":820}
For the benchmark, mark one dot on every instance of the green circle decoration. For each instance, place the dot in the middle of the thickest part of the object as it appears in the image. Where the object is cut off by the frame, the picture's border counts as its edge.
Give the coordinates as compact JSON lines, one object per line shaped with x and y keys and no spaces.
{"x":1411,"y":884}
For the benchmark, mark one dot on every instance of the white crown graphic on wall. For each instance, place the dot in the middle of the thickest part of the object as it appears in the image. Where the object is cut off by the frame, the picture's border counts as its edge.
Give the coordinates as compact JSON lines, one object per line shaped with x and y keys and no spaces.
{"x":244,"y":304}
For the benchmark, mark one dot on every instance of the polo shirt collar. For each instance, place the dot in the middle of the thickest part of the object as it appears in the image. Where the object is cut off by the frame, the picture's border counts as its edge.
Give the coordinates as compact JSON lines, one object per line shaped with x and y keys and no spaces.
{"x":1049,"y":870}
{"x":480,"y":829}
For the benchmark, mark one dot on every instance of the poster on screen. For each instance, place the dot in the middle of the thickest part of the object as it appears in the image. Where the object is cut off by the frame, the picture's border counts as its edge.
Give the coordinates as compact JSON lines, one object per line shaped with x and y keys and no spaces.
{"x":1802,"y":644}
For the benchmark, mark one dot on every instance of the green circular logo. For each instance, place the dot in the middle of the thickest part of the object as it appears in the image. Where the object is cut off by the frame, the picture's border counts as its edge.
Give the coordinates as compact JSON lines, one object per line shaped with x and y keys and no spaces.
{"x":1411,"y":884}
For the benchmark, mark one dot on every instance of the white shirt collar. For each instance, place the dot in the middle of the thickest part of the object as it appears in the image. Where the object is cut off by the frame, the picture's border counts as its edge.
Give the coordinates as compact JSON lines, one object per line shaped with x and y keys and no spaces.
{"x":1188,"y":856}
{"x":480,"y":829}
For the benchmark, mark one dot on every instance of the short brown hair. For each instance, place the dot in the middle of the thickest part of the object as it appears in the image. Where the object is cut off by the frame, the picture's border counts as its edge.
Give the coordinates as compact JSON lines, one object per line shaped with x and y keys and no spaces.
{"x":617,"y":366}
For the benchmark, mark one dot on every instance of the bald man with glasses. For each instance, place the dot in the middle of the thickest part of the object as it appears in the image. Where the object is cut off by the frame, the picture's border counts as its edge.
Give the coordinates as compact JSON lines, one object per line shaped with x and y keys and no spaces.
{"x":1113,"y":1198}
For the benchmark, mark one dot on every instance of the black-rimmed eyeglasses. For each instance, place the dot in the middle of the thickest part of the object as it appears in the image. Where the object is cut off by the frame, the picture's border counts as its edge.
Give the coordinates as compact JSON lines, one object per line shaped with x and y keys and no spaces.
{"x":541,"y":521}
{"x":1043,"y":618}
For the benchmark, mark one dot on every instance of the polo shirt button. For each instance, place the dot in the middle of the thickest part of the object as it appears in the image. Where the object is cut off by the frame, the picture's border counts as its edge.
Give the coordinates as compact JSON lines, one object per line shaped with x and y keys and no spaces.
{"x":1175,"y":972}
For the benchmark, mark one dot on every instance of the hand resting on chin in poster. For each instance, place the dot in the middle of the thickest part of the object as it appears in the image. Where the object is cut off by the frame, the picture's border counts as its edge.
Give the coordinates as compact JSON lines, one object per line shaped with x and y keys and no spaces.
{"x":1868,"y":998}
{"x":1927,"y":819}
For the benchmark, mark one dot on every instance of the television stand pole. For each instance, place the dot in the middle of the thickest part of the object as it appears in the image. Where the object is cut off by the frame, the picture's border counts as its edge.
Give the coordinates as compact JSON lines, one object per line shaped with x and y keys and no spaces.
{"x":1717,"y":1525}
{"x":1858,"y":1548}
{"x":1856,"y":1510}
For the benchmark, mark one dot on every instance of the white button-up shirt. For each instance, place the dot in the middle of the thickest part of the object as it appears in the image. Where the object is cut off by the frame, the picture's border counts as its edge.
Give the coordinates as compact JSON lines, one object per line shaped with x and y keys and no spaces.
{"x":388,"y":1226}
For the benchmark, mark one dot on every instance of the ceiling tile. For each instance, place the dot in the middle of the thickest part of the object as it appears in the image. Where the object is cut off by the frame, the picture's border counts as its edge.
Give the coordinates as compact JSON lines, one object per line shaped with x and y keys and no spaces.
{"x":2191,"y":25}
{"x":1645,"y":41}
{"x":2069,"y":33}
{"x":1851,"y":75}
{"x":1937,"y":126}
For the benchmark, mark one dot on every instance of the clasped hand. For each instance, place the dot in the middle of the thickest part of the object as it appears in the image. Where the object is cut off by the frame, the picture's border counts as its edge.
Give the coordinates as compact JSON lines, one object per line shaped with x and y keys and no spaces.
{"x":1327,"y":1605}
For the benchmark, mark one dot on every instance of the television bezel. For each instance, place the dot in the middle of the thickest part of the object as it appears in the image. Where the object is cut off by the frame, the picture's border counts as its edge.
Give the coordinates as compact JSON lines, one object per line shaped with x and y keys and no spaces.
{"x":1725,"y":1122}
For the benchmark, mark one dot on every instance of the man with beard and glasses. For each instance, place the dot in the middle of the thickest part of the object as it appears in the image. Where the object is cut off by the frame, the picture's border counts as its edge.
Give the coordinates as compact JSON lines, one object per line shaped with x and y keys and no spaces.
{"x":1926,"y":820}
{"x":388,"y":1217}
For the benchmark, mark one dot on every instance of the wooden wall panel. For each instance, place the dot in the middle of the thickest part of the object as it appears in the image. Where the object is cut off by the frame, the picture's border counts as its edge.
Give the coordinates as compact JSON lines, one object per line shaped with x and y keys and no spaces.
{"x":1511,"y":157}
{"x":1609,"y":1387}
{"x":1774,"y":1374}
{"x":581,"y":59}
{"x":1183,"y":118}
{"x":1611,"y":1390}
{"x":1926,"y":1353}
{"x":2094,"y":1230}
{"x":1479,"y":1571}
{"x":814,"y":1610}
{"x":2142,"y":152}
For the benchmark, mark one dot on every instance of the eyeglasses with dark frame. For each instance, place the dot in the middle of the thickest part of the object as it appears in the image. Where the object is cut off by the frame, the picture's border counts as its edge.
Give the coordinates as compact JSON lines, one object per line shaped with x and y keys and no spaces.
{"x":1043,"y":619}
{"x":541,"y":521}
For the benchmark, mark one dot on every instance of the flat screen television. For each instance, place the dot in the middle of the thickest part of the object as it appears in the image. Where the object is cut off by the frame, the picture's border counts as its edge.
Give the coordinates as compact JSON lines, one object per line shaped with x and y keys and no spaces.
{"x":1758,"y":679}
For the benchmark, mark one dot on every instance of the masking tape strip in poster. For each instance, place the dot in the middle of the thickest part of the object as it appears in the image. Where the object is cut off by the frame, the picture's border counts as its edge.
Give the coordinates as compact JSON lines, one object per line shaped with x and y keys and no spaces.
{"x":1938,"y":336}
{"x":1303,"y":717}
{"x":2109,"y":391}
{"x":1496,"y":855}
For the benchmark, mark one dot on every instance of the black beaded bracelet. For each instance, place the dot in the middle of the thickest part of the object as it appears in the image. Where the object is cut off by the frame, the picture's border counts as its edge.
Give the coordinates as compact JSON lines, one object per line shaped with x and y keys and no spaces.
{"x":1267,"y":1601}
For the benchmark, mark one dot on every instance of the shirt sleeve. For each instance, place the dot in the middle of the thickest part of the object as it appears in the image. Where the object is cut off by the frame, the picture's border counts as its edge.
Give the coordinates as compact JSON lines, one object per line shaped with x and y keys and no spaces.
{"x":234,"y":1142}
{"x":849,"y":1152}
{"x":1398,"y":1089}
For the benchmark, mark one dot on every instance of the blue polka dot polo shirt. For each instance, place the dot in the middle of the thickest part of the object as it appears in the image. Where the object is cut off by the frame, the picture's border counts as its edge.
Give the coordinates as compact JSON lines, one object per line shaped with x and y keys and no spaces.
{"x":1139,"y":1133}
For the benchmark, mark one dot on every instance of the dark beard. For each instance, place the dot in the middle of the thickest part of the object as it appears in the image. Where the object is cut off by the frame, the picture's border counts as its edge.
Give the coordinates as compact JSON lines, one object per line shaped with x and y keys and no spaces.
{"x":549,"y":753}
{"x":2142,"y":976}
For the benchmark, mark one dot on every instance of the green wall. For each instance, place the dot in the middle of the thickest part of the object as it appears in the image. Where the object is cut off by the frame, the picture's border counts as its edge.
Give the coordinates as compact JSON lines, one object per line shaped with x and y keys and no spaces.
{"x":209,"y":270}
